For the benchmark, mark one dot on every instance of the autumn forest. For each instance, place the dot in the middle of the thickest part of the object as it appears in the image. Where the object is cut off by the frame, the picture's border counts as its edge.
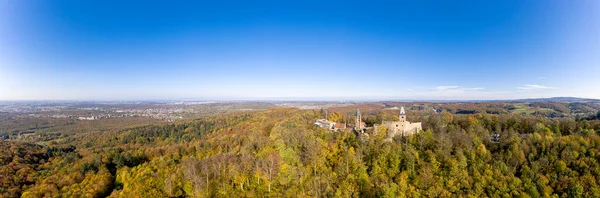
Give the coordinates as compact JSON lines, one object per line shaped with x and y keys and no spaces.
{"x":545,"y":150}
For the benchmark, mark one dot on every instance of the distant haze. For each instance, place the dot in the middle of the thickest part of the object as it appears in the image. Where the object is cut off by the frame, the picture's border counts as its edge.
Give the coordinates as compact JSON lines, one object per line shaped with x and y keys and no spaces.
{"x":295,"y":50}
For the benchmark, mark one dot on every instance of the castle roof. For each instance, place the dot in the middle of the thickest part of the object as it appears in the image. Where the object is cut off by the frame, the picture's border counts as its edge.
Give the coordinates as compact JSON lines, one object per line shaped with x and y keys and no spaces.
{"x":339,"y":125}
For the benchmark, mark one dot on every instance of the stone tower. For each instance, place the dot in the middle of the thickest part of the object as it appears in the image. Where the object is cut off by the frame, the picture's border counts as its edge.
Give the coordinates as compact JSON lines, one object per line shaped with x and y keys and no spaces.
{"x":402,"y":115}
{"x":357,"y":121}
{"x":402,"y":121}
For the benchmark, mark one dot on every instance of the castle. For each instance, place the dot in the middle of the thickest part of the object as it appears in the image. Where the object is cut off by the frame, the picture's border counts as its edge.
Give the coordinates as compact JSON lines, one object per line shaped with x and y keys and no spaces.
{"x":401,"y":127}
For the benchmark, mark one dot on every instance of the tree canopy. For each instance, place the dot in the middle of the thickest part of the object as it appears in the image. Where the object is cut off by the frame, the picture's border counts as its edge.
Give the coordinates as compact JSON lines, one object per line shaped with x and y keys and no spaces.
{"x":279,"y":152}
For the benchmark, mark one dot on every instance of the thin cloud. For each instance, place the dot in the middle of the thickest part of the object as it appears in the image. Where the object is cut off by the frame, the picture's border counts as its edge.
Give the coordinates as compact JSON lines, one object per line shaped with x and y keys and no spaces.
{"x":461,"y":94}
{"x":473,"y":89}
{"x":442,"y":88}
{"x":456,"y":92}
{"x":455,"y":88}
{"x":534,"y":87}
{"x":541,"y":78}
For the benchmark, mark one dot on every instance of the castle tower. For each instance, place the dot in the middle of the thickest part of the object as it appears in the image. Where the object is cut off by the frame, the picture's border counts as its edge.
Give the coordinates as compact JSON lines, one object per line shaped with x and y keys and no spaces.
{"x":357,"y":121}
{"x":402,"y":115}
{"x":402,"y":126}
{"x":402,"y":120}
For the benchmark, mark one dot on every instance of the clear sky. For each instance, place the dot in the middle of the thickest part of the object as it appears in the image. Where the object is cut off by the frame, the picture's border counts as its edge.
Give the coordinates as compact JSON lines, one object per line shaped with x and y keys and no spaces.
{"x":230,"y":50}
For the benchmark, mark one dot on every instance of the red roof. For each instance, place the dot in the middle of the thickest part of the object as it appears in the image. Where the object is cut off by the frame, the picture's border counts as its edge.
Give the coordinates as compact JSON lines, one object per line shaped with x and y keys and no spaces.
{"x":339,"y":125}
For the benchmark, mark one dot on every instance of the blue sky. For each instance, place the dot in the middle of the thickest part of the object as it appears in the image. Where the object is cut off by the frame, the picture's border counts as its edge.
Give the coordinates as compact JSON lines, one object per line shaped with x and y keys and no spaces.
{"x":339,"y":50}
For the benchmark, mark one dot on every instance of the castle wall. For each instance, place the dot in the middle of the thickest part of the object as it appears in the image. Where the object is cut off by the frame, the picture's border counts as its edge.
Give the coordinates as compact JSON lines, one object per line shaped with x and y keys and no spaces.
{"x":412,"y":128}
{"x":401,"y":128}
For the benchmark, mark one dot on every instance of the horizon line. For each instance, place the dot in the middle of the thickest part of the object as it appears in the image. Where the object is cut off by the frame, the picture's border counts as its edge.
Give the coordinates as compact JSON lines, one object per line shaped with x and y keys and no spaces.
{"x":285,"y":100}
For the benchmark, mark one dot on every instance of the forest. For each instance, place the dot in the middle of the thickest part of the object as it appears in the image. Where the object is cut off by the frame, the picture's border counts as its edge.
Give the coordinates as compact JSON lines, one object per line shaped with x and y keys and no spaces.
{"x":278,"y":152}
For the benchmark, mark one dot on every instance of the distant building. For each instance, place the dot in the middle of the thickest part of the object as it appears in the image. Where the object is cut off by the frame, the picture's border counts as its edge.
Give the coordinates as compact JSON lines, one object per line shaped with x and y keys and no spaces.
{"x":87,"y":118}
{"x":496,"y":138}
{"x":337,"y":126}
{"x":401,"y":127}
{"x":325,"y":123}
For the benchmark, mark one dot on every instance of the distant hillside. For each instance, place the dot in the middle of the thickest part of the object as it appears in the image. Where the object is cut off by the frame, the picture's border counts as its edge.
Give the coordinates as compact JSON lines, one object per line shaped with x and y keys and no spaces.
{"x":559,"y":99}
